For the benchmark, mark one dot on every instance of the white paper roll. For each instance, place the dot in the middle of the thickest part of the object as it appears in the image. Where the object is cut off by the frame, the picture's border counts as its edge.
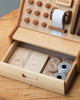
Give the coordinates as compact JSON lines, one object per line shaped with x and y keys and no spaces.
{"x":60,"y":76}
{"x":57,"y":18}
{"x":64,"y":68}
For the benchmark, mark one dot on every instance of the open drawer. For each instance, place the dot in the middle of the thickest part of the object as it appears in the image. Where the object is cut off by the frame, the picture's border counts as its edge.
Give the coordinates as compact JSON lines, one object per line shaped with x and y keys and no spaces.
{"x":36,"y":78}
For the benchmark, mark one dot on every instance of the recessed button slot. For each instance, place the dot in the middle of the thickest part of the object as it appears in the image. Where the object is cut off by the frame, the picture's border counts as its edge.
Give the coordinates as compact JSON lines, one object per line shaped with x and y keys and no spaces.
{"x":29,"y":77}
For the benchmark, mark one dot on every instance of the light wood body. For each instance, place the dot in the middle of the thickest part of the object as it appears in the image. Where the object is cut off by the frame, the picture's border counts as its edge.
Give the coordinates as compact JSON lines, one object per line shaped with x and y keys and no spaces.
{"x":41,"y":19}
{"x":65,"y":3}
{"x":34,"y":78}
{"x":12,"y":89}
{"x":46,"y":41}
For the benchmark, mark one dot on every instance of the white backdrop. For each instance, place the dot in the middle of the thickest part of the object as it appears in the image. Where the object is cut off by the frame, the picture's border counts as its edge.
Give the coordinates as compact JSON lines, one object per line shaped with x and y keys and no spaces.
{"x":7,"y":6}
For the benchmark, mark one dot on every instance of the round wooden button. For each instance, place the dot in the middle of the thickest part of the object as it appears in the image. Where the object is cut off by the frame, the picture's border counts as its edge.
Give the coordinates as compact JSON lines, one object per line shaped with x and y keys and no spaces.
{"x":26,"y":20}
{"x":35,"y":22}
{"x":29,"y":10}
{"x":39,"y":3}
{"x":45,"y":15}
{"x":48,"y":5}
{"x":37,"y":13}
{"x":43,"y":24}
{"x":31,"y":1}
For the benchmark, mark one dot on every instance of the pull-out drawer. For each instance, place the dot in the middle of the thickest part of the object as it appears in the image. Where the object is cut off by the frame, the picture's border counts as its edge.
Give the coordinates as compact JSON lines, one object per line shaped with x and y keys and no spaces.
{"x":37,"y":78}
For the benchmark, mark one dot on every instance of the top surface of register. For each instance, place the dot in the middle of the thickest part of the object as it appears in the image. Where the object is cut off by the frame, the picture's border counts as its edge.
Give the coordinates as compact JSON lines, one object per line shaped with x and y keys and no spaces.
{"x":36,"y":16}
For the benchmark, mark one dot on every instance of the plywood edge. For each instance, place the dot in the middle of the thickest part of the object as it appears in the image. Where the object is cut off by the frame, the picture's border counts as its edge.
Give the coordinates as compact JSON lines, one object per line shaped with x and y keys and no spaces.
{"x":11,"y":34}
{"x":70,"y":76}
{"x":20,"y":12}
{"x":18,"y":22}
{"x":47,"y":41}
{"x":39,"y":80}
{"x":10,"y":51}
{"x":78,"y":62}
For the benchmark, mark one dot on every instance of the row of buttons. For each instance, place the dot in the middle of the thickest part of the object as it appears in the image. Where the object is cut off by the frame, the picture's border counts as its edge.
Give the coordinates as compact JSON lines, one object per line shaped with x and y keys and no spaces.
{"x":37,"y":13}
{"x":35,"y":22}
{"x":39,"y":3}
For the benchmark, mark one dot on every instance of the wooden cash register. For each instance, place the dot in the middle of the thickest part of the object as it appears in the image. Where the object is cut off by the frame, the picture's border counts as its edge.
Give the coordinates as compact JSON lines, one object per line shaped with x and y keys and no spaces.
{"x":32,"y":39}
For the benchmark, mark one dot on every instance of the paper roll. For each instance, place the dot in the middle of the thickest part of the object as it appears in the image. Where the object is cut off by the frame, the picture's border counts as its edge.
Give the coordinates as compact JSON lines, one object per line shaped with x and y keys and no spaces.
{"x":57,"y":19}
{"x":64,"y":68}
{"x":60,"y":76}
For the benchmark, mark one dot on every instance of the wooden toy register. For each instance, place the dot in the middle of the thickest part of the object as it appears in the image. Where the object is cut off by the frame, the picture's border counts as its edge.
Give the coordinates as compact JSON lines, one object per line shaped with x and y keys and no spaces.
{"x":45,"y":44}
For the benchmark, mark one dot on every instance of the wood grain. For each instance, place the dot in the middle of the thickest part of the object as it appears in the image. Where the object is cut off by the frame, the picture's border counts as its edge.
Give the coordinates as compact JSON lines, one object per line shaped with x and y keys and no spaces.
{"x":74,"y":22}
{"x":14,"y":90}
{"x":19,"y":57}
{"x":57,"y":29}
{"x":45,"y":17}
{"x":47,"y":41}
{"x":36,"y":62}
{"x":78,"y":63}
{"x":65,"y":2}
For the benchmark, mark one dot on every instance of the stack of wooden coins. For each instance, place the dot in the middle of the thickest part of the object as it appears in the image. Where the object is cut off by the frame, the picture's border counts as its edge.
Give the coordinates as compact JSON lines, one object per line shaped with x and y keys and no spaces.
{"x":68,"y":60}
{"x":52,"y":66}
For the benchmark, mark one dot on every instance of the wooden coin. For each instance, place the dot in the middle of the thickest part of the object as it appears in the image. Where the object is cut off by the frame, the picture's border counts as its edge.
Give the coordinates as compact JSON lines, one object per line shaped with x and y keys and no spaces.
{"x":55,"y":60}
{"x":52,"y":65}
{"x":49,"y":73}
{"x":68,"y":60}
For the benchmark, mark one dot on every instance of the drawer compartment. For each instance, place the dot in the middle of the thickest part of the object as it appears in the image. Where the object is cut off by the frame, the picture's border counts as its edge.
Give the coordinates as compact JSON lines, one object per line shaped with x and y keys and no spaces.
{"x":35,"y":74}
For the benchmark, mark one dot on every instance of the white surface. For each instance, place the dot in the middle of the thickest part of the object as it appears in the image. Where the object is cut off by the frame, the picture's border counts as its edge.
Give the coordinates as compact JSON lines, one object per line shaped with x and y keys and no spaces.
{"x":57,"y":18}
{"x":64,"y":70}
{"x":63,"y":77}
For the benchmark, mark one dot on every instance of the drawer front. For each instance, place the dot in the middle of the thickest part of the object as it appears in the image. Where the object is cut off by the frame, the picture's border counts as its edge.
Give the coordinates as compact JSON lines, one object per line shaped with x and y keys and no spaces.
{"x":70,"y":76}
{"x":36,"y":79}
